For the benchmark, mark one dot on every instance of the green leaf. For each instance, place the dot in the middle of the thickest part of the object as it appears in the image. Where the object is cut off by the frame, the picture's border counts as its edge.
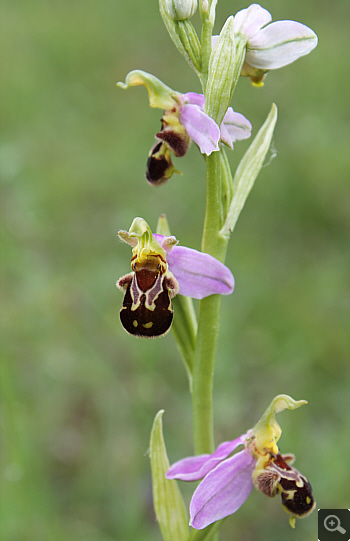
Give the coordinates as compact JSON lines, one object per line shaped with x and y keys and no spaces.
{"x":248,"y":170}
{"x":168,"y":503}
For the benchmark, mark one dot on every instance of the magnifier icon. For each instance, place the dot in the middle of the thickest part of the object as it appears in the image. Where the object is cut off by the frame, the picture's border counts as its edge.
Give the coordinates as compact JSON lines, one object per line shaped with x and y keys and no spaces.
{"x":332,"y":524}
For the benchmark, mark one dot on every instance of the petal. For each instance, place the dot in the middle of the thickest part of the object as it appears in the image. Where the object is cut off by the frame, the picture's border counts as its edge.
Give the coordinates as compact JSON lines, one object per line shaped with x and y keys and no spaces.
{"x":167,"y":243}
{"x":225,"y":136}
{"x":235,"y":126}
{"x":194,"y":468}
{"x":267,"y":431}
{"x":160,"y":95}
{"x":248,"y":22}
{"x":202,"y":129}
{"x":279,"y":44}
{"x":223,"y":490}
{"x":125,"y":237}
{"x":199,"y":274}
{"x":188,"y":469}
{"x":194,"y":99}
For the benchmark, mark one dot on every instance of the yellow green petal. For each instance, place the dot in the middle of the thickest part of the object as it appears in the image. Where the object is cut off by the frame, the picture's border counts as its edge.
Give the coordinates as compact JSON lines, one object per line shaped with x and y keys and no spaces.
{"x":267,"y":431}
{"x":160,"y":95}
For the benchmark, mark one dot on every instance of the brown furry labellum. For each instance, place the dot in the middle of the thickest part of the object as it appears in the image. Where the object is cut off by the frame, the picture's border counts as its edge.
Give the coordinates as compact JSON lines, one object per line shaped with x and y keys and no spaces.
{"x":147,"y":311}
{"x":159,"y":165}
{"x":280,"y":477}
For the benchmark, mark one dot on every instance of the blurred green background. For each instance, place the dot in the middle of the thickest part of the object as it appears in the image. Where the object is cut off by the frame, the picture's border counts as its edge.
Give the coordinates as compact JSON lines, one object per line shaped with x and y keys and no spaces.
{"x":79,"y":395}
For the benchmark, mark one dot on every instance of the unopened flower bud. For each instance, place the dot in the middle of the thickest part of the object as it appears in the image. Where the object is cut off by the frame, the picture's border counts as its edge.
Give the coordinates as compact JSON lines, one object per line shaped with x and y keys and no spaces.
{"x":178,"y":10}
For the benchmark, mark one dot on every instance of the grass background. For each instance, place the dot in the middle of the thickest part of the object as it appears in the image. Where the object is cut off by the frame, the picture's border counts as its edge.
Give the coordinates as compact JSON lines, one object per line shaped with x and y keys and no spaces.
{"x":78,"y":394}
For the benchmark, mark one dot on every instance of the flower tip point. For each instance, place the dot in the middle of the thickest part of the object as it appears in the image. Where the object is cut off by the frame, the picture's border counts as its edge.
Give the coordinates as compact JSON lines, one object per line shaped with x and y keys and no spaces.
{"x":284,"y":401}
{"x":124,"y":236}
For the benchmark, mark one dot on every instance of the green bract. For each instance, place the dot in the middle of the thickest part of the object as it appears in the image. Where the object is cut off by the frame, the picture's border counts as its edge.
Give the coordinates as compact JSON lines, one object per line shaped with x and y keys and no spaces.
{"x":184,"y":37}
{"x":220,"y":74}
{"x":248,"y":170}
{"x":168,"y":503}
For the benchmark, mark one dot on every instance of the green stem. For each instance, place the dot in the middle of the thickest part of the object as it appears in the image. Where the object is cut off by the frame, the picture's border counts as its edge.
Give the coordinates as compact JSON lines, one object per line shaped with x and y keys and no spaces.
{"x":208,"y":317}
{"x":218,"y":179}
{"x":203,"y":374}
{"x":212,"y":243}
{"x":226,"y":182}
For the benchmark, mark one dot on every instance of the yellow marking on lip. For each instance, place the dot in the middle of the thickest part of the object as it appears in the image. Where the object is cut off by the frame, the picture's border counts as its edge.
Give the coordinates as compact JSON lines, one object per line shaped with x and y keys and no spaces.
{"x":290,"y":494}
{"x":146,"y":260}
{"x":147,"y":325}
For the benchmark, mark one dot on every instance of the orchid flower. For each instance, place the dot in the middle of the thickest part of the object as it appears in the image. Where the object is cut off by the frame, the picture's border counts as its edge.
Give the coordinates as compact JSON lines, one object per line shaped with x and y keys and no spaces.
{"x":184,"y":119}
{"x":270,"y":47}
{"x":161,"y":270}
{"x":228,"y":480}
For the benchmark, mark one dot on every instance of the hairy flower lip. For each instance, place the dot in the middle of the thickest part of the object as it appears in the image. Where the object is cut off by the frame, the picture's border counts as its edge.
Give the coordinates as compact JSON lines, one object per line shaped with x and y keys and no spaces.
{"x":159,"y":164}
{"x":161,"y":270}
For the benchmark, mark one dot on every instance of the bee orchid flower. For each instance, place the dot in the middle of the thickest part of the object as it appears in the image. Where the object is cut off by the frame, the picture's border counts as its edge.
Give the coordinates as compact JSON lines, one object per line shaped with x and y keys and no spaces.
{"x":183,"y":120}
{"x":228,"y":480}
{"x":161,"y":270}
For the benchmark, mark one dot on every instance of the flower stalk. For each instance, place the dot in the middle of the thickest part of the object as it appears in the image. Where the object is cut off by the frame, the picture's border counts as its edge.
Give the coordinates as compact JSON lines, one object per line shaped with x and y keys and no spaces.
{"x":208,"y":317}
